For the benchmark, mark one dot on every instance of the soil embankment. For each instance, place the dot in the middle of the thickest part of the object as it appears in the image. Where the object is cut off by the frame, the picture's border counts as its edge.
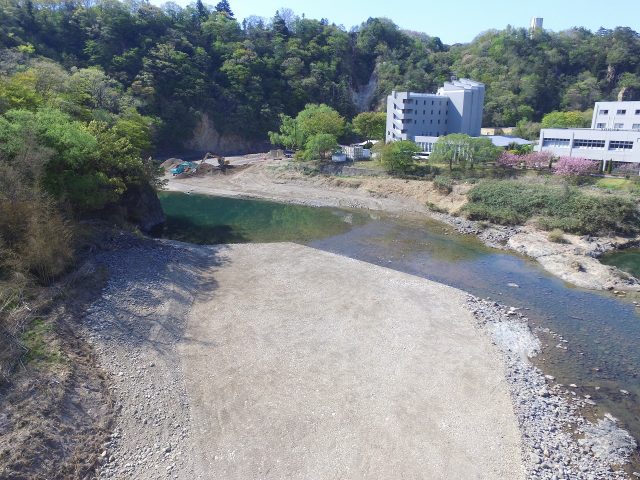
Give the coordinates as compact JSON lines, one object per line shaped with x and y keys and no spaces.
{"x":574,"y":261}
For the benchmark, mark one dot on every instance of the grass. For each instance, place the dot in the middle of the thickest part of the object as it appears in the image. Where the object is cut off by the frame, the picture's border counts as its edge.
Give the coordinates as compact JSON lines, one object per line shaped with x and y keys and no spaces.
{"x":614,"y":183}
{"x":37,"y":339}
{"x":557,"y":236}
{"x":513,"y":202}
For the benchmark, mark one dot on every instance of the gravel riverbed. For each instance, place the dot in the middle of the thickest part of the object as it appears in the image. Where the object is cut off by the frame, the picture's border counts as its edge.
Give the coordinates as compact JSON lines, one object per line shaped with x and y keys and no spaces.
{"x":138,"y":323}
{"x":134,"y":328}
{"x":558,"y":442}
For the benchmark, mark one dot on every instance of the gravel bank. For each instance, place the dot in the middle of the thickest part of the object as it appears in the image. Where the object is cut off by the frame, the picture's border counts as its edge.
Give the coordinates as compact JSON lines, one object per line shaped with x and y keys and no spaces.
{"x":134,"y":328}
{"x":558,"y":442}
{"x":139,"y":330}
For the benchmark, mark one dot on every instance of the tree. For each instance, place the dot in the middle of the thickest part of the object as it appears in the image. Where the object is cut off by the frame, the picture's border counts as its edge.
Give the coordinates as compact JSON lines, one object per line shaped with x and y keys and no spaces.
{"x":224,"y":8}
{"x":565,"y":120}
{"x":397,"y":157}
{"x":464,"y":150}
{"x":201,"y":10}
{"x":370,"y":125}
{"x":313,"y":120}
{"x":320,"y":145}
{"x":289,"y":135}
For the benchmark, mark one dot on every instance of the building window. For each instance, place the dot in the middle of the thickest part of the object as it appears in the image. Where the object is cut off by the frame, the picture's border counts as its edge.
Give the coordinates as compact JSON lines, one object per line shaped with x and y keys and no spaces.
{"x":635,"y":126}
{"x":620,"y":145}
{"x":621,"y":112}
{"x":604,"y":112}
{"x":431,"y":112}
{"x":431,"y":104}
{"x":590,"y":144}
{"x":556,"y":142}
{"x":637,"y":112}
{"x":431,"y":121}
{"x":619,"y":126}
{"x":601,"y":125}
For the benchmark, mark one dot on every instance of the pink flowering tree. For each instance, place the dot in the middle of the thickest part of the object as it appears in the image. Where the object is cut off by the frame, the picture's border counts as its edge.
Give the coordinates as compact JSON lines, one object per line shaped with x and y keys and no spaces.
{"x":509,"y":159}
{"x":574,"y":167}
{"x":537,"y":160}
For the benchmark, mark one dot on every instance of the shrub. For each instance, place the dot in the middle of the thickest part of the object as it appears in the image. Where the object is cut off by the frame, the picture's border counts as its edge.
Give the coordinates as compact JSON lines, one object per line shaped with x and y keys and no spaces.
{"x":572,"y":167}
{"x":509,"y":159}
{"x":537,"y":160}
{"x":562,"y":207}
{"x":397,"y":157}
{"x":557,"y":236}
{"x":443,"y":184}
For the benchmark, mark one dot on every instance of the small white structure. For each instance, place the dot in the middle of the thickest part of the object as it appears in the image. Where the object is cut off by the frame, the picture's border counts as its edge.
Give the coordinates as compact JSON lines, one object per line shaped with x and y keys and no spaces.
{"x":339,"y":157}
{"x":536,"y":24}
{"x":356,"y":152}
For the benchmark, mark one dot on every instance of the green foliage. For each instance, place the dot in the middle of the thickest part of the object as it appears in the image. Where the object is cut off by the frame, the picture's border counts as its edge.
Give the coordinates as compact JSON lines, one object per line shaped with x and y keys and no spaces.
{"x":443,"y":184}
{"x":370,"y":125}
{"x":566,"y":120}
{"x":177,"y":63}
{"x":463,"y":150}
{"x":565,"y":208}
{"x":557,"y":236}
{"x":397,"y":157}
{"x":320,"y":145}
{"x":317,"y":119}
{"x":316,"y":128}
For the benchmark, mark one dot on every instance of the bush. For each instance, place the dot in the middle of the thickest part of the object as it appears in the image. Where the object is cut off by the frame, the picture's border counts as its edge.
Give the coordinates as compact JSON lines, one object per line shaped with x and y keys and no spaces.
{"x":557,"y":236}
{"x":562,"y":207}
{"x":572,"y":167}
{"x":397,"y":157}
{"x":443,"y":184}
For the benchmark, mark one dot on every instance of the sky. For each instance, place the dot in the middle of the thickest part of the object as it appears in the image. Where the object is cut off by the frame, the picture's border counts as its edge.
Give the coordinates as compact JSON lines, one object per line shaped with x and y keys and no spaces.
{"x":454,"y":21}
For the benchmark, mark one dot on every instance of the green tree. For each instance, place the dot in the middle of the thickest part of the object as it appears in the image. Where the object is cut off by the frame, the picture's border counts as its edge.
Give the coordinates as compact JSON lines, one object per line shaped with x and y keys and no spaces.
{"x":320,"y":145}
{"x":370,"y":125}
{"x":397,"y":157}
{"x":312,"y":121}
{"x":466,"y":151}
{"x":224,"y":7}
{"x":315,"y":119}
{"x":565,"y":120}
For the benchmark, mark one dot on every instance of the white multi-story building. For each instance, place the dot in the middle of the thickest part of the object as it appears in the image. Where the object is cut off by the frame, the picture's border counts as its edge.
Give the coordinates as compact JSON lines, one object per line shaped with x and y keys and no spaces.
{"x":423,"y":117}
{"x":616,"y":116}
{"x":614,"y":135}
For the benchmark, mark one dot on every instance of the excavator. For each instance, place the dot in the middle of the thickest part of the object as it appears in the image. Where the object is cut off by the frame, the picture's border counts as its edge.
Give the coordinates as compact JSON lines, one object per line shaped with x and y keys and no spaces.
{"x":202,"y":167}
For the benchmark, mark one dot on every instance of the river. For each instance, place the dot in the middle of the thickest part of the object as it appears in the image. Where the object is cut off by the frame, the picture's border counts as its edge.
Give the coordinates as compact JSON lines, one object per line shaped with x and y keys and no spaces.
{"x":602,"y":332}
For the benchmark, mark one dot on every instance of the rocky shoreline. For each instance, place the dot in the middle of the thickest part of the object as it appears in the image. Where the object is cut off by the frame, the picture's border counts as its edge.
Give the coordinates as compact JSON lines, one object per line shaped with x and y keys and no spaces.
{"x":558,"y":442}
{"x":574,"y":261}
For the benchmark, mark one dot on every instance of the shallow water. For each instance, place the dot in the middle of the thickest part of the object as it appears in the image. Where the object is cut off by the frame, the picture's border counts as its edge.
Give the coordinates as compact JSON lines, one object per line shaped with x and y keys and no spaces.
{"x":627,"y":260}
{"x":208,"y":220}
{"x":603,"y":332}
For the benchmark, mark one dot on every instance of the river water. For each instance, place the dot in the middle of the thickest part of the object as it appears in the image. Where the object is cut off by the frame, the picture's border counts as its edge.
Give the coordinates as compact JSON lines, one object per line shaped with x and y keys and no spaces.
{"x":602,"y":356}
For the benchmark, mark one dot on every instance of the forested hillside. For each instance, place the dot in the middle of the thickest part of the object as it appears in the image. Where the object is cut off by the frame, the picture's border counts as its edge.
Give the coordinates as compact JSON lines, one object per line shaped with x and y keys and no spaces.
{"x":173,"y":63}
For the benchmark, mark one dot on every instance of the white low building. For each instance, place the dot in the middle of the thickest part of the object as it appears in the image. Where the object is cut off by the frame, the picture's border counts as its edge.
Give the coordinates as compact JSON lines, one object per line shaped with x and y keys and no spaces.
{"x":614,"y":136}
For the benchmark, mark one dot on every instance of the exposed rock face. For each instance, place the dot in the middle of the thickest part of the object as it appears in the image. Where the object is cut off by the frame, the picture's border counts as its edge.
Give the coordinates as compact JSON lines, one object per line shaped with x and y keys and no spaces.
{"x":363,"y":96}
{"x":206,"y":138}
{"x":141,"y":206}
{"x":628,"y":94}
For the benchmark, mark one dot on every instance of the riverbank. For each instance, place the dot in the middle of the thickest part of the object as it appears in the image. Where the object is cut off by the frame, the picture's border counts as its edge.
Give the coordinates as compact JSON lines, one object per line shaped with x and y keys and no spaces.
{"x":361,"y":370}
{"x":575,"y":260}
